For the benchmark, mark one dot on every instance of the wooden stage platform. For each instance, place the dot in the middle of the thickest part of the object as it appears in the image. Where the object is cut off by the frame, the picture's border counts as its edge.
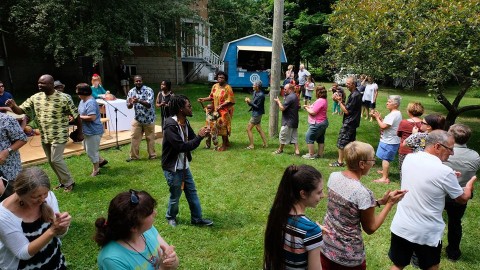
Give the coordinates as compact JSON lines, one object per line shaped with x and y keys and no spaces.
{"x":32,"y":152}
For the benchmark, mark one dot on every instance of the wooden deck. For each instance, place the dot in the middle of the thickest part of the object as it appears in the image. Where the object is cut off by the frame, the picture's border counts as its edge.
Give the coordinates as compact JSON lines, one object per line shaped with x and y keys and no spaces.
{"x":32,"y":152}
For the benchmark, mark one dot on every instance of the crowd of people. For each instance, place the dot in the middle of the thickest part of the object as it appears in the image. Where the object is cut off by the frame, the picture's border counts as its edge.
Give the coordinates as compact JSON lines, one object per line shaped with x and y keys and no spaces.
{"x":437,"y":173}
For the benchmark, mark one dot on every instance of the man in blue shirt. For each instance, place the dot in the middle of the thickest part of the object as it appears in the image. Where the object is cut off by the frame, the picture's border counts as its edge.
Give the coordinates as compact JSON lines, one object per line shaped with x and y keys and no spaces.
{"x":4,"y":96}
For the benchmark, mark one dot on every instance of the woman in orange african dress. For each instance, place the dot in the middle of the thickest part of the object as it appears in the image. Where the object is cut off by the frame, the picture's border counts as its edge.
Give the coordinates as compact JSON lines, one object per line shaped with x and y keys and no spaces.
{"x":223,"y":101}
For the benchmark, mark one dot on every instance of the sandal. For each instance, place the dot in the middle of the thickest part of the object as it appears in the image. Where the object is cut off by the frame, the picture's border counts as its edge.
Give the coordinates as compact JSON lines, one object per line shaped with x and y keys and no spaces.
{"x":60,"y":186}
{"x":103,"y":163}
{"x":69,"y":188}
{"x":277,"y":152}
{"x":249,"y":148}
{"x":336,"y":164}
{"x":95,"y":173}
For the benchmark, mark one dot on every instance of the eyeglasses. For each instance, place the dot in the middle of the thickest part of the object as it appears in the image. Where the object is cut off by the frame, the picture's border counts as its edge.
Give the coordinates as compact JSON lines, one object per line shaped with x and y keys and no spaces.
{"x":424,"y":123}
{"x":134,"y":200}
{"x":446,"y":147}
{"x":369,"y":160}
{"x":1,"y":86}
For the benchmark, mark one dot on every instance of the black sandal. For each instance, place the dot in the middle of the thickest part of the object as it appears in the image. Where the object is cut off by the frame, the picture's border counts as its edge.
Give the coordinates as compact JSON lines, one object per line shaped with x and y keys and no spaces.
{"x":336,"y":164}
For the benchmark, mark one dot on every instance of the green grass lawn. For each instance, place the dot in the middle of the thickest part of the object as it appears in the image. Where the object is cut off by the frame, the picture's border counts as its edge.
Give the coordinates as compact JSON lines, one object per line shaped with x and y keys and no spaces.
{"x":236,"y":189}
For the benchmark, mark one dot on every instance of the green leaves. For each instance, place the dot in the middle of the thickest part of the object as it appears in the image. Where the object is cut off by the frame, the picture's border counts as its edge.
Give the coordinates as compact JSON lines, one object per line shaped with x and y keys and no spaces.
{"x":67,"y":29}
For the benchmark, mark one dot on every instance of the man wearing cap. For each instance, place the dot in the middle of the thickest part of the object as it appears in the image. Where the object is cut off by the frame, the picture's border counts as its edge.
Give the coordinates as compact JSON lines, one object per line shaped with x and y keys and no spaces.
{"x":59,"y":86}
{"x":52,"y":109}
{"x":141,"y":98}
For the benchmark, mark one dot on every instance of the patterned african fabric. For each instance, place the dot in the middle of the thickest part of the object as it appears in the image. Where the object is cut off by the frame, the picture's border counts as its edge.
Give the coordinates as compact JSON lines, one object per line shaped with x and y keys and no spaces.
{"x":143,"y":114}
{"x":220,"y":95}
{"x":10,"y":131}
{"x":52,"y":114}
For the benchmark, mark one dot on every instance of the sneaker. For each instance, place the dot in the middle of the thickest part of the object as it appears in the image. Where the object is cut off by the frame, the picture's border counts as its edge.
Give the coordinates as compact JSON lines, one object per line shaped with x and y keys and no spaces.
{"x":202,"y":222}
{"x":172,"y":222}
{"x":454,"y":256}
{"x":308,"y":156}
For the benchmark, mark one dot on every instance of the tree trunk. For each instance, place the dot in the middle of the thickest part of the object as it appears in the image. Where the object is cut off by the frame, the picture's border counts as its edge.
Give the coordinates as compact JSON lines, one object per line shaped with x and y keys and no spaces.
{"x":276,"y":66}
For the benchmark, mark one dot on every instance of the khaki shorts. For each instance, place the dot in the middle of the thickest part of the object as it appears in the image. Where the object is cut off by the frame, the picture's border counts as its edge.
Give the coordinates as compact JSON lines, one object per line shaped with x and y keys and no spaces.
{"x":288,"y":135}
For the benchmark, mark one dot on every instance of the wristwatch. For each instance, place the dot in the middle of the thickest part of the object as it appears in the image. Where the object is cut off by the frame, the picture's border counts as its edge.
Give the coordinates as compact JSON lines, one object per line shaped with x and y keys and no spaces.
{"x":10,"y":150}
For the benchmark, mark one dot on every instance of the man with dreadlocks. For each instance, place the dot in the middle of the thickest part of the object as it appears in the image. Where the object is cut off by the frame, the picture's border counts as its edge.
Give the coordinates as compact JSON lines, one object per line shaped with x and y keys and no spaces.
{"x":179,"y":140}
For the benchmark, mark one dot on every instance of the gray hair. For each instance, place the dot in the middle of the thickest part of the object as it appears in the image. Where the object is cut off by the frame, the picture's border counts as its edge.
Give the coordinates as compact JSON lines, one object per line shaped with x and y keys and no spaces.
{"x":258,"y":83}
{"x":437,"y":136}
{"x":461,"y":133}
{"x":396,"y":99}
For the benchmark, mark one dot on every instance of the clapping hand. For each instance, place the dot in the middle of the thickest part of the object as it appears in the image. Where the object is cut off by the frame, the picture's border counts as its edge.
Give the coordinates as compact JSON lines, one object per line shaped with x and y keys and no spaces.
{"x":167,"y":255}
{"x":61,"y":223}
{"x":204,"y":131}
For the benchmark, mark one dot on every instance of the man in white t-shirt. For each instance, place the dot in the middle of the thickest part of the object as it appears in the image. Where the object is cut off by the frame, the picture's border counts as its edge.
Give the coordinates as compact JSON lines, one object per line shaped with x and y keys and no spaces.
{"x":302,"y":78}
{"x":418,"y":224}
{"x":389,"y":141}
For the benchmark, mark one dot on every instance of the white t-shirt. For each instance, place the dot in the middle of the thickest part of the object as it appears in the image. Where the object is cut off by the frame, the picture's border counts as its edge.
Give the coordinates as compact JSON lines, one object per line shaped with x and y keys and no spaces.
{"x":309,"y":89}
{"x":389,"y":135}
{"x":13,"y":243}
{"x":369,"y":93}
{"x":419,"y":214}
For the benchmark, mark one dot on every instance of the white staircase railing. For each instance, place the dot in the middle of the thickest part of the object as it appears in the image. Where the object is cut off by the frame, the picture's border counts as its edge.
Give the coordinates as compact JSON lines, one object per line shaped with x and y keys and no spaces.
{"x":203,"y":52}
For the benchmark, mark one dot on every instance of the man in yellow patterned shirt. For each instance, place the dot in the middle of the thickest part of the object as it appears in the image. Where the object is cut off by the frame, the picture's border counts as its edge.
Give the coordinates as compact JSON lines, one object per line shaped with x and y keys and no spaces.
{"x":52,"y":109}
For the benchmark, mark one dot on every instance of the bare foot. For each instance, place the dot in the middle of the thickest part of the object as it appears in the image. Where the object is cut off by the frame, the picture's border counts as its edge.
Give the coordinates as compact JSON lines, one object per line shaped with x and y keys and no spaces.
{"x":382,"y":180}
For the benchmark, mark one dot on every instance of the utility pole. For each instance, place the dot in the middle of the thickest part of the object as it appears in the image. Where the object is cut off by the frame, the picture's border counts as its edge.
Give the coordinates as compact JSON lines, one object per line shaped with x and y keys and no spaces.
{"x":278,"y":7}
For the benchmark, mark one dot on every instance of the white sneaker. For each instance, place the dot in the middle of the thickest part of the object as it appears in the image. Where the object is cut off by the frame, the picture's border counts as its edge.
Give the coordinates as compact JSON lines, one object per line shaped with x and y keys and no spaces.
{"x":308,"y":156}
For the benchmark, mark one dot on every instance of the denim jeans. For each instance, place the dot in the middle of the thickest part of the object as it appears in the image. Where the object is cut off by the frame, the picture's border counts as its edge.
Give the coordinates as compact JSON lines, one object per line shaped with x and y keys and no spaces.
{"x":316,"y":132}
{"x":174,"y":181}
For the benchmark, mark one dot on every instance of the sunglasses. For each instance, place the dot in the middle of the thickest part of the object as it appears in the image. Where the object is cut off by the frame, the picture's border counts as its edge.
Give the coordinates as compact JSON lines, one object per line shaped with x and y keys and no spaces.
{"x":134,"y":200}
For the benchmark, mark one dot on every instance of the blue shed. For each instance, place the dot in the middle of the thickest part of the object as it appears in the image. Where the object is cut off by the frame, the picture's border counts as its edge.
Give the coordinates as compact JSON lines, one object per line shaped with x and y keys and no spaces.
{"x":248,"y":59}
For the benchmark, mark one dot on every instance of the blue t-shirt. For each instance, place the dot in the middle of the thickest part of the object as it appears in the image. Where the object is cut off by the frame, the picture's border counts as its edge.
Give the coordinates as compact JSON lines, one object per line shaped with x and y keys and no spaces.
{"x":6,"y":95}
{"x":90,"y":107}
{"x":115,"y":256}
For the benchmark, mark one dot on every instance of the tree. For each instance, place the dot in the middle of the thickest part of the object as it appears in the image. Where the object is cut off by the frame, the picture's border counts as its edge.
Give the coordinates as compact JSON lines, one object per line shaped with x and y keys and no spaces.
{"x":305,"y":28}
{"x":67,"y":29}
{"x":434,"y":41}
{"x":234,"y":19}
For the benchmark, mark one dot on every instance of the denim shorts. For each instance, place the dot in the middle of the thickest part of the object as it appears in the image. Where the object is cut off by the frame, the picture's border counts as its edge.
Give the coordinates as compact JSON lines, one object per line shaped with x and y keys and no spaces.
{"x":387,"y":151}
{"x":316,"y":132}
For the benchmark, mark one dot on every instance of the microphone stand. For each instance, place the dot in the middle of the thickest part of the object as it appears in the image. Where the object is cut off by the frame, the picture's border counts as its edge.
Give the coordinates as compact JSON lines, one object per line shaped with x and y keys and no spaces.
{"x":116,"y":121}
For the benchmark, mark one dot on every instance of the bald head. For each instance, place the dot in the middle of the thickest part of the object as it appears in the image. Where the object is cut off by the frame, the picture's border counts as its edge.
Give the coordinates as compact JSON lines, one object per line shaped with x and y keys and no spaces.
{"x":45,"y":84}
{"x":288,"y":88}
